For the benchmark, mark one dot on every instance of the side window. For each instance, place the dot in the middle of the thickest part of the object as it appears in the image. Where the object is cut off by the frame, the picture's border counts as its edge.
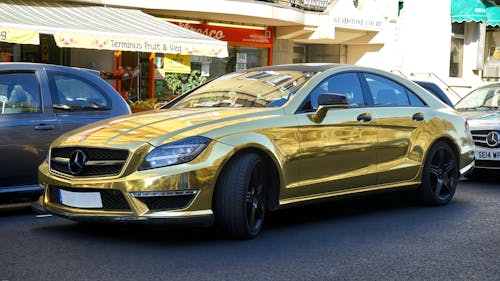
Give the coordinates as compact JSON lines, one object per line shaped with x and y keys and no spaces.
{"x":19,"y":93}
{"x":414,"y":99}
{"x":74,"y":92}
{"x":345,"y":83}
{"x":386,"y":92}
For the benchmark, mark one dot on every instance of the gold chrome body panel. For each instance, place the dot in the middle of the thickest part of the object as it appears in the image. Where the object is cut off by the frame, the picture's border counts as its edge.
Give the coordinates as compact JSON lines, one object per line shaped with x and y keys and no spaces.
{"x":314,"y":160}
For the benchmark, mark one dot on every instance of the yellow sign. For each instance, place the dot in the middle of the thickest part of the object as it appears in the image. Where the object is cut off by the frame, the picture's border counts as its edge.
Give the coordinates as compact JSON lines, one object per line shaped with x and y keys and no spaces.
{"x":19,"y":36}
{"x":105,"y":42}
{"x":177,"y":64}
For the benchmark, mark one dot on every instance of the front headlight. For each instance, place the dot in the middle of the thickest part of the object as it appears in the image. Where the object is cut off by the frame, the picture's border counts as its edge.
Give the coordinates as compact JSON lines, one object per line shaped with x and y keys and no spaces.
{"x":174,"y":153}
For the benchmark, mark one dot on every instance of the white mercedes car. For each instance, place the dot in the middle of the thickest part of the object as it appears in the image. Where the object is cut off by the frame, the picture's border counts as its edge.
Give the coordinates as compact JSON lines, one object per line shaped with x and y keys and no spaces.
{"x":481,"y":109}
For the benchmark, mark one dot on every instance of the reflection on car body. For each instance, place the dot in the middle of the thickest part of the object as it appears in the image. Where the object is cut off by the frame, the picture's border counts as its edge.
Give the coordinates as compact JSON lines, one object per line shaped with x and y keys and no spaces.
{"x":39,"y":102}
{"x":257,"y":140}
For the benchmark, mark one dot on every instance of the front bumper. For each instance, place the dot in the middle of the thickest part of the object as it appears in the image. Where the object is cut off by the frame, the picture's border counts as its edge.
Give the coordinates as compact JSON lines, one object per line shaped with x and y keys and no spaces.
{"x":196,"y":218}
{"x":175,"y":194}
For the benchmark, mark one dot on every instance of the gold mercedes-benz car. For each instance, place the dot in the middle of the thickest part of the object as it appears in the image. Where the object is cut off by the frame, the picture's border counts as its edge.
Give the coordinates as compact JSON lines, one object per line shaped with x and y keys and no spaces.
{"x":258,"y":140}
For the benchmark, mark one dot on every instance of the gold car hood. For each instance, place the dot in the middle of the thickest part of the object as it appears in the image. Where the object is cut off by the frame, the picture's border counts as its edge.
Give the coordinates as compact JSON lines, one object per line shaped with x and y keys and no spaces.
{"x":160,"y":126}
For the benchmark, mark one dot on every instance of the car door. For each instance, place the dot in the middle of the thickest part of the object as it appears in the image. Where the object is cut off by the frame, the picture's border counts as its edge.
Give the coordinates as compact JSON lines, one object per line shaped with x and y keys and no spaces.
{"x":402,"y":116}
{"x":337,"y":153}
{"x":27,"y":127}
{"x":77,"y":101}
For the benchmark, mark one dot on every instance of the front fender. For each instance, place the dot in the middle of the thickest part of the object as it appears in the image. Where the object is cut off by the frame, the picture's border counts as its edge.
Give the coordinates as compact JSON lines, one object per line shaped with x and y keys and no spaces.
{"x":280,"y":148}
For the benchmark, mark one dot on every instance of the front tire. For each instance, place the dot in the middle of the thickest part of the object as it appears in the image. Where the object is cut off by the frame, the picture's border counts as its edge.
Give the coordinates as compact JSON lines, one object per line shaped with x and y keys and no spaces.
{"x":440,"y":175}
{"x":240,"y":197}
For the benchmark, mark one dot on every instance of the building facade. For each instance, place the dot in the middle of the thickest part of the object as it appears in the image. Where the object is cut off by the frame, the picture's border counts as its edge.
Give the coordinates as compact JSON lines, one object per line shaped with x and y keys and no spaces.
{"x":418,"y":39}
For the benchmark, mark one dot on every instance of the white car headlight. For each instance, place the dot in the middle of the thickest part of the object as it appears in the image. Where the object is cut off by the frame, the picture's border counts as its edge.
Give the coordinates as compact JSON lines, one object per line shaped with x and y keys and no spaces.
{"x":174,"y":153}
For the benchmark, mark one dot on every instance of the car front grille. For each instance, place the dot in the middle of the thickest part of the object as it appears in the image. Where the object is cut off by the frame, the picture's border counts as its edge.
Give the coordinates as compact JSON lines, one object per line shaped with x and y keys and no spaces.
{"x":96,"y":161}
{"x":479,"y":138}
{"x":111,"y":199}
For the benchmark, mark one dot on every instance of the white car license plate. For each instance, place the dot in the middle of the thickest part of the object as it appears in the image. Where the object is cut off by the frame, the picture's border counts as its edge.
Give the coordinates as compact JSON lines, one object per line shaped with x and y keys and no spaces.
{"x":487,"y":154}
{"x":80,"y":199}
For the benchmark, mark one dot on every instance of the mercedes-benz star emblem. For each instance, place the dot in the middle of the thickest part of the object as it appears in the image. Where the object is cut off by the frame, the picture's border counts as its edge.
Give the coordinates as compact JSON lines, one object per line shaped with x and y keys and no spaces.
{"x":493,"y":139}
{"x":77,"y":162}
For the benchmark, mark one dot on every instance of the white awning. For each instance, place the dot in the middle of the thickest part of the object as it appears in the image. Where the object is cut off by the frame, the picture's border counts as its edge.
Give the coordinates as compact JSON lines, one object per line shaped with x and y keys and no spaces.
{"x":98,"y":27}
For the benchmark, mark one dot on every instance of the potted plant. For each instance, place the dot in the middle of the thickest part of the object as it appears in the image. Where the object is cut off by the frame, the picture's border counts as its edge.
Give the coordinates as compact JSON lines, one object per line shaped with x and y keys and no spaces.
{"x":179,"y":83}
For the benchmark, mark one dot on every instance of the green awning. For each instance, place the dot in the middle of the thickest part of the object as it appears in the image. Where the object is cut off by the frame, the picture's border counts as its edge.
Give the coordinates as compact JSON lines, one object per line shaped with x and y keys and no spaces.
{"x":468,"y":11}
{"x":492,"y":14}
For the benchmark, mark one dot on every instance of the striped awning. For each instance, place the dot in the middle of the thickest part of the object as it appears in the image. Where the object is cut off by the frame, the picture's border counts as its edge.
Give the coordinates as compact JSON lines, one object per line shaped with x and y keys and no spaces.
{"x":492,"y":14}
{"x":475,"y":11}
{"x":98,"y":27}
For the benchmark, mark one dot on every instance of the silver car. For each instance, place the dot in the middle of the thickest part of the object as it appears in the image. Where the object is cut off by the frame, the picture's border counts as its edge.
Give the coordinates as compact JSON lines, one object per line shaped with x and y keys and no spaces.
{"x":481,"y":109}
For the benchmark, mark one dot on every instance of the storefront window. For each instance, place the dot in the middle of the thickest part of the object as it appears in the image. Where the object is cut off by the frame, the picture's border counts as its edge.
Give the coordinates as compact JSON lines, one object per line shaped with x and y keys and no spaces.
{"x":299,"y":53}
{"x":240,"y":58}
{"x":46,"y":52}
{"x":457,"y":49}
{"x":6,"y":52}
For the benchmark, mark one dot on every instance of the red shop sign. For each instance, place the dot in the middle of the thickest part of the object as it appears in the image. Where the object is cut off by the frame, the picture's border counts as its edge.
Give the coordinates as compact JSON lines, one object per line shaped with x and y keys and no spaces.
{"x":232,"y":34}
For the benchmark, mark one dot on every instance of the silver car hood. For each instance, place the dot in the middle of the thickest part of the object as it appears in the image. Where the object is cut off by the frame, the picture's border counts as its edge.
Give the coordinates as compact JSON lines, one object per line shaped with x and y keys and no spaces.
{"x":478,"y":120}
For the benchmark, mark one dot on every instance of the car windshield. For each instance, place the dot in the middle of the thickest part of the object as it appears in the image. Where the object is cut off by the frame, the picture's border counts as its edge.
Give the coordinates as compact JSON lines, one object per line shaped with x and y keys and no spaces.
{"x":487,"y":98}
{"x":247,"y":89}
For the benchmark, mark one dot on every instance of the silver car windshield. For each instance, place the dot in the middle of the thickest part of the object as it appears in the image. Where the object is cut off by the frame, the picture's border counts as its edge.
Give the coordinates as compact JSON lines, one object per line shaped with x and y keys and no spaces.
{"x":247,"y":89}
{"x":481,"y":98}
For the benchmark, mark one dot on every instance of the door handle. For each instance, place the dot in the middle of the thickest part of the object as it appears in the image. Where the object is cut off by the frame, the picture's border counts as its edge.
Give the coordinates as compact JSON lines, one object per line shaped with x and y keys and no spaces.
{"x":418,"y":117}
{"x":364,"y":117}
{"x":44,"y":127}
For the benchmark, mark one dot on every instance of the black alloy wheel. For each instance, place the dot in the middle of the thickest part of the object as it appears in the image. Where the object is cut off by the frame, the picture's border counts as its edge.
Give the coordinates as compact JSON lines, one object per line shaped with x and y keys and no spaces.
{"x":440,"y":175}
{"x":255,"y":200}
{"x":240,"y":197}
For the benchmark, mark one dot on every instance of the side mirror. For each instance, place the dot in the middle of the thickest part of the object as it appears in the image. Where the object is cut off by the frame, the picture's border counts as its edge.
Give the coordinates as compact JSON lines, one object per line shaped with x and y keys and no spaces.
{"x":327,"y":101}
{"x":335,"y":100}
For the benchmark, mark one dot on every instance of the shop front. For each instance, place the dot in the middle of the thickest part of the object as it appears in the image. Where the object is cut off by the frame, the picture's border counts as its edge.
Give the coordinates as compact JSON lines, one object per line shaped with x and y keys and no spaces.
{"x":475,"y":23}
{"x":248,"y":46}
{"x":121,"y":43}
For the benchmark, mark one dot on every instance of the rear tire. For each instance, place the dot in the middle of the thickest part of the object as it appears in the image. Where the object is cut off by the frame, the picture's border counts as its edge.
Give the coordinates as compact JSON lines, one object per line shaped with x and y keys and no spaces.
{"x":440,"y":175}
{"x":240,"y":197}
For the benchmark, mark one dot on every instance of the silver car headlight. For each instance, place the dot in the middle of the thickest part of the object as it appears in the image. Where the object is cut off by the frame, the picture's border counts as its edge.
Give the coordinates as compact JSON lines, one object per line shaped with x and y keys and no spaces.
{"x":174,"y":153}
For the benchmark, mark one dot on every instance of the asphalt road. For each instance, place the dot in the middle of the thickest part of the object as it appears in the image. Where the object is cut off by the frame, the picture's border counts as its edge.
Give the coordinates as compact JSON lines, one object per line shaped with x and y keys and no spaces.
{"x":377,"y":237}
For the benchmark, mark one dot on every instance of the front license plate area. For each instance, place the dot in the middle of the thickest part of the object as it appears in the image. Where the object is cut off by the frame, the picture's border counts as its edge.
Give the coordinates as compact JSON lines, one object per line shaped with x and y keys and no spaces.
{"x":482,"y":154}
{"x":91,"y":200}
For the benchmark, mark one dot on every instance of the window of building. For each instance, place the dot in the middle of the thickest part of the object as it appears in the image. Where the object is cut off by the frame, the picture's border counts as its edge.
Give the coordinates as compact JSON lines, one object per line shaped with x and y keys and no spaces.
{"x":457,"y":49}
{"x":492,"y":53}
{"x":299,"y":53}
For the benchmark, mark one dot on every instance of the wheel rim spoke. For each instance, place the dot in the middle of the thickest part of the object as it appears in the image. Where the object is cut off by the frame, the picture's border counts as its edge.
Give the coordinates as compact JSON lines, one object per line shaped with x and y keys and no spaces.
{"x":254,"y":199}
{"x":439,"y":186}
{"x":253,"y":210}
{"x":450,"y":167}
{"x":434,"y":169}
{"x":447,"y":183}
